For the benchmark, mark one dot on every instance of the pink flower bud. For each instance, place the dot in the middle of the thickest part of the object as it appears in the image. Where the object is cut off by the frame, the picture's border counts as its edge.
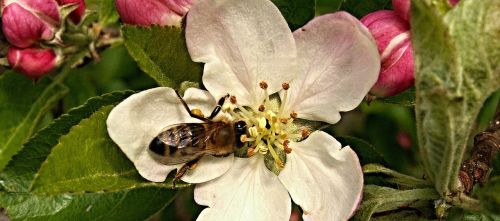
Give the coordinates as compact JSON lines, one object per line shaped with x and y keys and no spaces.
{"x":32,"y":62}
{"x":76,"y":15}
{"x":25,"y":22}
{"x":153,"y":12}
{"x":392,"y":35}
{"x":402,"y":8}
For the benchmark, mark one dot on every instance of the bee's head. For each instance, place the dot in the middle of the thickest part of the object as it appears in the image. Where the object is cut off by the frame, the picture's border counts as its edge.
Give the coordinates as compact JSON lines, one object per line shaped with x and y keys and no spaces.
{"x":240,"y":128}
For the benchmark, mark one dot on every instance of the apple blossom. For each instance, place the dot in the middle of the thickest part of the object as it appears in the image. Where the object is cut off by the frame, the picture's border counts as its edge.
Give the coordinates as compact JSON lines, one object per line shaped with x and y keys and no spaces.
{"x":273,"y":77}
{"x":153,"y":12}
{"x":392,"y":34}
{"x":76,"y":15}
{"x":25,"y":22}
{"x":32,"y":62}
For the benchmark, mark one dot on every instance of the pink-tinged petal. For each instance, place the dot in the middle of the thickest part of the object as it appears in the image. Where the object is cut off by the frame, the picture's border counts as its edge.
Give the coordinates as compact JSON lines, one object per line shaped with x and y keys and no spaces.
{"x":27,"y":22}
{"x":339,"y":62}
{"x":325,"y":180}
{"x":76,"y":15}
{"x":392,"y":35}
{"x":402,"y":8}
{"x":134,"y":123}
{"x":248,"y":191}
{"x":241,"y":43}
{"x":153,"y":12}
{"x":32,"y":62}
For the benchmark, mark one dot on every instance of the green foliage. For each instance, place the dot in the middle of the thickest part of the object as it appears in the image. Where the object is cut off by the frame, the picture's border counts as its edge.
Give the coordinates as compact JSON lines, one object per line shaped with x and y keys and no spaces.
{"x":406,"y":98}
{"x":296,"y":12}
{"x":162,"y":53}
{"x":24,"y":103}
{"x":378,"y":199}
{"x":97,"y":181}
{"x":104,"y":9}
{"x":457,"y":54}
{"x":328,"y":6}
{"x":20,"y":172}
{"x":490,"y":195}
{"x":366,"y":152}
{"x":360,"y":8}
{"x":394,"y":177}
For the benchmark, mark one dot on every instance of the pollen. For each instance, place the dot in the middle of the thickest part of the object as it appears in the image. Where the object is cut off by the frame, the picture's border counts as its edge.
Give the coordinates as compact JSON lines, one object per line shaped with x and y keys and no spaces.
{"x":197,"y":112}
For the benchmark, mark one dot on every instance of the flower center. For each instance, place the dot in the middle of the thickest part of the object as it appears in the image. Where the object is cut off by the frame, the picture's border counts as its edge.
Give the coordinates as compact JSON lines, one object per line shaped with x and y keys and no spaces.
{"x":270,"y":129}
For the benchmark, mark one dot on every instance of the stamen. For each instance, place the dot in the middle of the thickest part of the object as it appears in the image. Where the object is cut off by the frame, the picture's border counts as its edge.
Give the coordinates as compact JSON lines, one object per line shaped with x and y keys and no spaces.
{"x":293,"y":115}
{"x":285,"y":86}
{"x":262,"y":108}
{"x":288,"y":150}
{"x":278,"y":161}
{"x":263,"y":85}
{"x":232,"y":99}
{"x":305,"y":133}
{"x":253,"y":131}
{"x":244,"y":138}
{"x":286,"y":142}
{"x":250,"y":152}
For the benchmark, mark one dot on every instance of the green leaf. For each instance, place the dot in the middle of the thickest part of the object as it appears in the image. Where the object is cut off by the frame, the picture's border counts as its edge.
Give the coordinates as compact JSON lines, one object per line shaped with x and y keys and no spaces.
{"x":296,"y":12}
{"x":105,"y":10}
{"x":457,"y":57}
{"x":80,"y":90}
{"x":378,"y":199}
{"x":394,"y":177}
{"x":94,"y":162}
{"x":360,"y":8}
{"x":23,"y":104}
{"x":162,"y":53}
{"x":406,"y":98}
{"x":489,"y":195}
{"x":328,"y":6}
{"x":366,"y":152}
{"x":130,"y":204}
{"x":19,"y":173}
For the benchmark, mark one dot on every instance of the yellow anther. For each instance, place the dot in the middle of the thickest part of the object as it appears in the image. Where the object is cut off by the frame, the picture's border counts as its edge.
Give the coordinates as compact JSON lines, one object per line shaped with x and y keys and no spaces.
{"x":253,"y":132}
{"x":262,"y":122}
{"x":285,"y":86}
{"x":197,"y":112}
{"x":263,"y":85}
{"x":243,"y":138}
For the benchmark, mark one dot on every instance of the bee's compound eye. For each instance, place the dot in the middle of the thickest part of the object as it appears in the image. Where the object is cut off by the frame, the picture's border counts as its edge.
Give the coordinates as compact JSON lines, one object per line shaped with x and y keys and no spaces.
{"x":241,"y":125}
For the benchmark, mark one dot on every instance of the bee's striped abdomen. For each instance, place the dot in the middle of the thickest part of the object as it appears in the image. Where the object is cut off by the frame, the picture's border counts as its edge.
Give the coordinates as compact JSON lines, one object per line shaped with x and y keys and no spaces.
{"x":178,"y":140}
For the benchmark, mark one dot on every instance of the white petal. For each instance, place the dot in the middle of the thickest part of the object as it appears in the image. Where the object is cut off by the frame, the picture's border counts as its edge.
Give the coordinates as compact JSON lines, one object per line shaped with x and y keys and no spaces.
{"x":134,"y":123}
{"x":242,"y":43}
{"x":324,"y":180}
{"x":248,"y":191}
{"x":208,"y":168}
{"x":201,"y":99}
{"x":340,"y":63}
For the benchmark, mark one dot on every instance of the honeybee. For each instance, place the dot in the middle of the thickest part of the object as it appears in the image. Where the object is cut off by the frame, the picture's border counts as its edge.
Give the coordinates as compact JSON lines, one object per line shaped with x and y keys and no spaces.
{"x":189,"y":142}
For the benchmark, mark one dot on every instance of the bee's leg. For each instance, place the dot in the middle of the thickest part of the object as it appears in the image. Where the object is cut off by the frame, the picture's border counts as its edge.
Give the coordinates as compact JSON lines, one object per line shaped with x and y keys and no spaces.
{"x":218,"y":107}
{"x":184,"y":169}
{"x":189,"y":110}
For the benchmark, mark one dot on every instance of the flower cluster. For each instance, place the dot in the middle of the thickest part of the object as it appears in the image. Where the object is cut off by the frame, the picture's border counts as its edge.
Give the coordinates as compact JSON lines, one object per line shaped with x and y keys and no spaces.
{"x":27,"y":24}
{"x":275,"y":78}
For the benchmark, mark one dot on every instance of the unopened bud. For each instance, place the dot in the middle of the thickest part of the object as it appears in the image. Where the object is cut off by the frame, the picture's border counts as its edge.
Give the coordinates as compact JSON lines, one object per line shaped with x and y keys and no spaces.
{"x":392,"y":35}
{"x":25,"y":22}
{"x":76,"y":15}
{"x":32,"y":62}
{"x":153,"y":12}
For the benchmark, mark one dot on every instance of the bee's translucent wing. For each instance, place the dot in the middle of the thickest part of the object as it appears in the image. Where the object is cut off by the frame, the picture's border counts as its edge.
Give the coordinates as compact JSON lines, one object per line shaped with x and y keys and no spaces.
{"x":181,"y":143}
